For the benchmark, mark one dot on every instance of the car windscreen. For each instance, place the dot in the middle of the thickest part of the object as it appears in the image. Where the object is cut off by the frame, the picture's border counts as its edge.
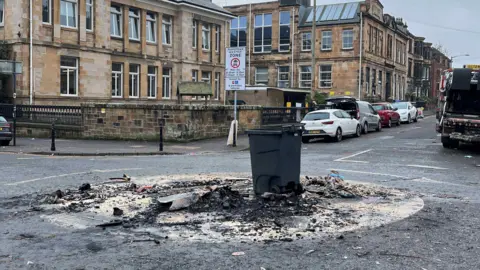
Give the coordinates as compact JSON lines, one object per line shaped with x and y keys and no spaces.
{"x":2,"y":120}
{"x":317,"y":116}
{"x":400,"y":106}
{"x":378,"y":107}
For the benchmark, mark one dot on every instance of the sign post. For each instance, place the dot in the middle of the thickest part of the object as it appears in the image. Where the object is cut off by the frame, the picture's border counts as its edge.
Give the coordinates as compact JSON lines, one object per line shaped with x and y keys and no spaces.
{"x":234,"y":81}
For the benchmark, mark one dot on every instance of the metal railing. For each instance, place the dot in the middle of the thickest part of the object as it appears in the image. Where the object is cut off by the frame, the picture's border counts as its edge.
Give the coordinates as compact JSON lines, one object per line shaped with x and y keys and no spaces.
{"x":282,"y":115}
{"x":62,"y":115}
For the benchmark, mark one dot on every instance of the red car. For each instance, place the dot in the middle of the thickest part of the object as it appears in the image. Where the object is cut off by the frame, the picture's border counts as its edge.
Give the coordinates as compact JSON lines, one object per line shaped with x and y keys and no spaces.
{"x":388,"y":114}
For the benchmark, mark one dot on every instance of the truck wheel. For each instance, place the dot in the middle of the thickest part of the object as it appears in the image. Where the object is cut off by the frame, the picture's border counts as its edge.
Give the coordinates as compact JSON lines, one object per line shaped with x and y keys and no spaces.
{"x":449,"y":144}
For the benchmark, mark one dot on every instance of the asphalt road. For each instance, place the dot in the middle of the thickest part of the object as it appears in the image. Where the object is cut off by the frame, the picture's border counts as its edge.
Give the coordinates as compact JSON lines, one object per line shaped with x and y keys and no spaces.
{"x":441,"y":236}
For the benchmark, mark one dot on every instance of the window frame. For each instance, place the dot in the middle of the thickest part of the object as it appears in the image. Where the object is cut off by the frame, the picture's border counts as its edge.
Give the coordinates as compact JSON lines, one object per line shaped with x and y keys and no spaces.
{"x":136,"y":18}
{"x":194,"y":75}
{"x":263,"y":26}
{"x":195,"y":34}
{"x":116,"y":74}
{"x":152,"y":76}
{"x":75,"y":11}
{"x":330,"y":38}
{"x":206,"y":37}
{"x":90,"y":5}
{"x":167,"y":76}
{"x":216,"y":93}
{"x":153,"y":26}
{"x":300,"y":80}
{"x":257,"y":73}
{"x":43,"y":22}
{"x":344,"y":36}
{"x":69,"y":69}
{"x":119,"y":17}
{"x":280,"y":28}
{"x":279,"y":73}
{"x":167,"y":22}
{"x":130,"y":81}
{"x":320,"y":72}
{"x":217,"y":37}
{"x":238,"y":29}
{"x":303,"y":41}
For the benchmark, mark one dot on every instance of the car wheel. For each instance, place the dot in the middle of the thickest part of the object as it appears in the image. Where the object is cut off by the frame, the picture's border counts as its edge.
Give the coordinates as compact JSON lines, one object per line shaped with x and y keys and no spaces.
{"x":415,"y":120}
{"x":365,"y":128}
{"x":338,"y":135}
{"x":358,"y":133}
{"x":409,"y":119}
{"x":399,"y":122}
{"x":305,"y":139}
{"x":379,"y":127}
{"x":389,"y":123}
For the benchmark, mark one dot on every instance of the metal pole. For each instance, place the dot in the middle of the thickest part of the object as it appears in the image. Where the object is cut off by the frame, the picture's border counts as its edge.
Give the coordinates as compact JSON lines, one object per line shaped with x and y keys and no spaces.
{"x":161,"y":138}
{"x":52,"y":147}
{"x":235,"y":120}
{"x":14,"y":106}
{"x":249,"y":47}
{"x":360,"y":62}
{"x":293,"y":45}
{"x":31,"y":53}
{"x":314,"y":28}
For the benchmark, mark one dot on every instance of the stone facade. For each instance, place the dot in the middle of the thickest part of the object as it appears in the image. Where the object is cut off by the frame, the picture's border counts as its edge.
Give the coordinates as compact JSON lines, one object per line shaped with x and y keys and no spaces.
{"x":96,"y":49}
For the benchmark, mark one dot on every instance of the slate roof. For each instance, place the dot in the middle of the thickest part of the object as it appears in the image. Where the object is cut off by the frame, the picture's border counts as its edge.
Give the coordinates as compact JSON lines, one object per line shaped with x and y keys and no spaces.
{"x":204,"y":4}
{"x":330,"y":14}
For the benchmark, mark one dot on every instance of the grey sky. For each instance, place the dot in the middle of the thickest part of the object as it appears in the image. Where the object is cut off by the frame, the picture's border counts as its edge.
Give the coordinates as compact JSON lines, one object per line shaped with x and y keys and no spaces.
{"x":454,"y":24}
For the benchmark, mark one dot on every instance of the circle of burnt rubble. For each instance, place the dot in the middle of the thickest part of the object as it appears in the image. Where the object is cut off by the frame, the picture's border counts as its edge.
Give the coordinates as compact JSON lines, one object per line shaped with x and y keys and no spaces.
{"x":226,"y":208}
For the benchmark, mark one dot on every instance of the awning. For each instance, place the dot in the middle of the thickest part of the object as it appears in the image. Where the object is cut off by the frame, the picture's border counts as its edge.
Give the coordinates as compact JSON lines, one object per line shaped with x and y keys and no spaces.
{"x":291,"y":90}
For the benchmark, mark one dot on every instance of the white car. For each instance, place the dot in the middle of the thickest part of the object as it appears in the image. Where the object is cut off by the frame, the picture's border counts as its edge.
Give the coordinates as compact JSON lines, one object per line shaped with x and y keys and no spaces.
{"x":329,"y":124}
{"x":407,"y":111}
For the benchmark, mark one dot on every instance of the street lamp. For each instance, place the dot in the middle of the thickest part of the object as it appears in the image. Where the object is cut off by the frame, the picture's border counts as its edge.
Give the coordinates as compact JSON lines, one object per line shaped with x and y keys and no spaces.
{"x":451,"y":58}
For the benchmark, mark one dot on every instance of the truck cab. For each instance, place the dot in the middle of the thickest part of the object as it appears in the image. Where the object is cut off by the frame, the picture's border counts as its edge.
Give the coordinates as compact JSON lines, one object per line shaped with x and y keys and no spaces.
{"x":460,"y":115}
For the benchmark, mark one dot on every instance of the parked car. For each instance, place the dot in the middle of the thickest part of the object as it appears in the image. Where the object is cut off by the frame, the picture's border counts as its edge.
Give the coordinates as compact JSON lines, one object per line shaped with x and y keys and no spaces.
{"x":388,"y":114}
{"x":360,"y":110}
{"x":330,"y":124}
{"x":5,"y":132}
{"x":407,"y":111}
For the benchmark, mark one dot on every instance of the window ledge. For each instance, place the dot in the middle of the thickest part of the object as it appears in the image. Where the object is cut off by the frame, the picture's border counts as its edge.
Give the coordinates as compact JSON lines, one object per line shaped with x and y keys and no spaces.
{"x":326,"y":50}
{"x":167,"y":45}
{"x":69,"y":96}
{"x":47,"y":25}
{"x":152,"y":98}
{"x":89,"y":31}
{"x":134,"y":40}
{"x":130,"y":97}
{"x":116,"y":37}
{"x":347,"y":49}
{"x":117,"y":97}
{"x":67,"y":28}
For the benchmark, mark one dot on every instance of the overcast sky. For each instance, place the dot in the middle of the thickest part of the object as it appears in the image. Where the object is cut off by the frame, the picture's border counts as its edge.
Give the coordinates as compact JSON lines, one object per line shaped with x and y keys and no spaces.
{"x":453,"y":24}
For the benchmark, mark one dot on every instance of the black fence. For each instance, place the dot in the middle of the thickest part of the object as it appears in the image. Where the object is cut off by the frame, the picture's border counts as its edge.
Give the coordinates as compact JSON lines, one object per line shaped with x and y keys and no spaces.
{"x":281,"y":115}
{"x":63,"y":115}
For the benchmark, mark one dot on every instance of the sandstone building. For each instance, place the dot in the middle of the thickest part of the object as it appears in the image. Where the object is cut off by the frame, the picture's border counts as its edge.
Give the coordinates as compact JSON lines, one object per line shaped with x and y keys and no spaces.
{"x":121,"y":51}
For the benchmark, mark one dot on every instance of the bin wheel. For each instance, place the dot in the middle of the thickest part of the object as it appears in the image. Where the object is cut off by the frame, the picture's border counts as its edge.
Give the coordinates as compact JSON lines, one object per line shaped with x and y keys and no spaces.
{"x":276,"y":189}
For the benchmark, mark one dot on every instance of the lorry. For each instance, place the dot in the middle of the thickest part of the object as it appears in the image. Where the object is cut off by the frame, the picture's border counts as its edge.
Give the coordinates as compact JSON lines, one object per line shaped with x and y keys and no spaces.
{"x":458,"y":117}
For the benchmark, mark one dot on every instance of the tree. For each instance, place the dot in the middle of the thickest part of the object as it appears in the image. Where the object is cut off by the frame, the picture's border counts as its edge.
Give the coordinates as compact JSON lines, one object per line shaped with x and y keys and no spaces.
{"x":441,"y":48}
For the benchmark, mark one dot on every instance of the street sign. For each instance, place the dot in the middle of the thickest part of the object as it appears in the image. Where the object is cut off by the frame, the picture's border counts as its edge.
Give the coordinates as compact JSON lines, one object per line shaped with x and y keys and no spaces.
{"x":235,"y":69}
{"x":10,"y":67}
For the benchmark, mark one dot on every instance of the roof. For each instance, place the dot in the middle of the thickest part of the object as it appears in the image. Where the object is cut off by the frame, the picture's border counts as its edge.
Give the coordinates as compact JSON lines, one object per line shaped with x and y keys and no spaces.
{"x":203,"y":4}
{"x":330,"y":14}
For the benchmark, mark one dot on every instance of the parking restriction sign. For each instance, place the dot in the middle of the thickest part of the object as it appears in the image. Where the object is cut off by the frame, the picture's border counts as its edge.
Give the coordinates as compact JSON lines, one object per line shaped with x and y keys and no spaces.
{"x":235,"y":69}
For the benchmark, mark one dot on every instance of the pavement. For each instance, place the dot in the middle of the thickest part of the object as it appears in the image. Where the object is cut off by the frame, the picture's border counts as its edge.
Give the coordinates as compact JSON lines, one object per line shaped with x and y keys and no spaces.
{"x":443,"y":235}
{"x":65,"y":147}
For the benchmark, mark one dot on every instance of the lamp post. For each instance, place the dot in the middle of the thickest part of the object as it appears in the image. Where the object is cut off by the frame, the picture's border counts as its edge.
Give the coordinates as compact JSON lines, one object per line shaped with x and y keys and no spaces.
{"x":460,"y":55}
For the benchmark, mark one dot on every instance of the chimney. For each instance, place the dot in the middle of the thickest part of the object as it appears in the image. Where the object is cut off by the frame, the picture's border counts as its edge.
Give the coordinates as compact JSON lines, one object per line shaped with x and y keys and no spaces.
{"x":399,"y":21}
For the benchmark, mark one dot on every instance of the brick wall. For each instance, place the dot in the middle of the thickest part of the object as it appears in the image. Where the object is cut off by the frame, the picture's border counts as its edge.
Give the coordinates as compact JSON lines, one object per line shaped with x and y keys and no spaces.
{"x":182,"y":123}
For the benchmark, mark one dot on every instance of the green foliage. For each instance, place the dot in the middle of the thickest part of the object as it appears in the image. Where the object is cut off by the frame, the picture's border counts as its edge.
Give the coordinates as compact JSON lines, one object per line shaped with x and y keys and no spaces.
{"x":318,"y":98}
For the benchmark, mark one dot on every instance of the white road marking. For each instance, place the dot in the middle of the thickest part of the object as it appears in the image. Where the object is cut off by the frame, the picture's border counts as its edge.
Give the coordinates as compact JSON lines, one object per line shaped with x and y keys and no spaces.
{"x":372,"y":173}
{"x":26,"y":158}
{"x":354,"y":155}
{"x":69,"y":174}
{"x":427,"y":167}
{"x":353,"y":161}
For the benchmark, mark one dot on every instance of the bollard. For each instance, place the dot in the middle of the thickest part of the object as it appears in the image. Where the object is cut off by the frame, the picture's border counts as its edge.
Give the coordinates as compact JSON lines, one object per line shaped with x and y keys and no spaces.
{"x":161,"y":138}
{"x":53,"y":148}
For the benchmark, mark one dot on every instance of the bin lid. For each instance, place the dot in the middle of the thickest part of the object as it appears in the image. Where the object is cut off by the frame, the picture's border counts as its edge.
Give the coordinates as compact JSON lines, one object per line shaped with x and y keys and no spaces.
{"x":264,"y":132}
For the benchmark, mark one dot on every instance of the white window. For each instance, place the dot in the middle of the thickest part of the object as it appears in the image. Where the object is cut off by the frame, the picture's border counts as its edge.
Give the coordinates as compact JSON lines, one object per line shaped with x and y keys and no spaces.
{"x":284,"y":31}
{"x":134,"y":24}
{"x":116,"y":23}
{"x":194,"y":75}
{"x":68,"y":13}
{"x":206,"y":37}
{"x":263,"y":33}
{"x":238,"y":32}
{"x":306,"y":41}
{"x":305,"y":80}
{"x":217,"y":38}
{"x":46,"y":11}
{"x":325,"y":76}
{"x":167,"y":30}
{"x":152,"y":82}
{"x":261,"y":75}
{"x":194,"y":34}
{"x":68,"y":76}
{"x":206,"y":77}
{"x":166,"y":83}
{"x":216,"y":94}
{"x":117,"y":80}
{"x":151,"y":27}
{"x":283,"y":77}
{"x":326,"y":40}
{"x":347,"y":39}
{"x":134,"y":82}
{"x":89,"y":17}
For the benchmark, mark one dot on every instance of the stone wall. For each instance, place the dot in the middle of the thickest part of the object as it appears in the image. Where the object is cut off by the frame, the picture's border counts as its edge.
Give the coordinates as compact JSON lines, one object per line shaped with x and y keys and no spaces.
{"x":182,"y":123}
